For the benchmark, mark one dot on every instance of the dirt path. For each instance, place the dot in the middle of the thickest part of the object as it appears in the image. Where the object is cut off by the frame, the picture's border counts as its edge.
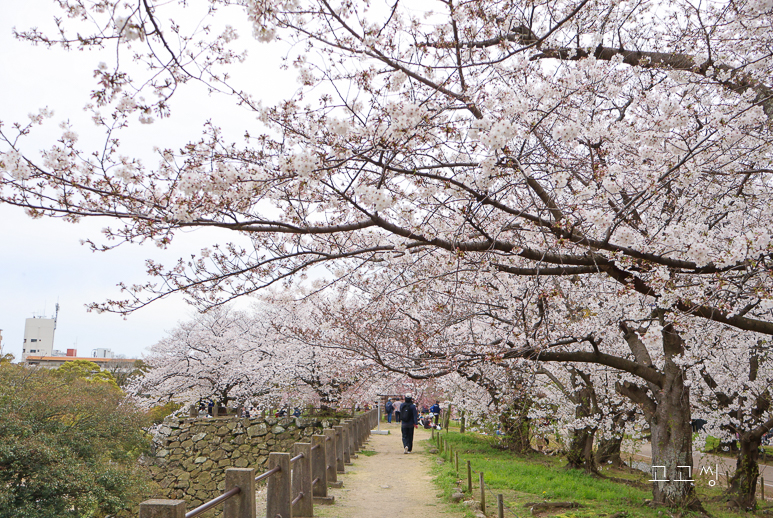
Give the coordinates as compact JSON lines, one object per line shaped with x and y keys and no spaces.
{"x":388,"y":484}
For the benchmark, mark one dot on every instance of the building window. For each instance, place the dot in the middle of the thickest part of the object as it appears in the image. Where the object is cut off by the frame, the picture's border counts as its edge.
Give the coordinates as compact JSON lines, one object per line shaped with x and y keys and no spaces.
{"x":34,"y":340}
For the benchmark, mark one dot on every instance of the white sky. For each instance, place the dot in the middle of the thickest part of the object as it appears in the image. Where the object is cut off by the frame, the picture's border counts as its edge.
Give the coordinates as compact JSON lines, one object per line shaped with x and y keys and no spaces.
{"x":42,"y":261}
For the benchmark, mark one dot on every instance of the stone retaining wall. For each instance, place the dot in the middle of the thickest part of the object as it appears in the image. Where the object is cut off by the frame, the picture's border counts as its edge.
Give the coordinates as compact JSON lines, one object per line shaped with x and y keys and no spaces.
{"x":191,"y":455}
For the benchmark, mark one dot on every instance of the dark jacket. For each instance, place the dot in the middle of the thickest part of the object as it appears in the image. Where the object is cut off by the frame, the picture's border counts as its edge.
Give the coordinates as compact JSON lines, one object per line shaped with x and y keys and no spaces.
{"x":413,"y":414}
{"x":389,"y":407}
{"x":435,"y":409}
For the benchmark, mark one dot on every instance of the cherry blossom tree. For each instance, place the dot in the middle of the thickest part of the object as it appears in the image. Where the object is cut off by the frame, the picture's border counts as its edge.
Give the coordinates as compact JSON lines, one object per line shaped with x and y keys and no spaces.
{"x":223,"y":354}
{"x":733,"y":383}
{"x":624,"y":145}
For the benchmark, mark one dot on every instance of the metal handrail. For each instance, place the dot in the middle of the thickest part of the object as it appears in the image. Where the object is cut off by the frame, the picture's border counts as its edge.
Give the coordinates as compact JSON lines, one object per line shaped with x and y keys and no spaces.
{"x":315,"y":481}
{"x":212,"y":503}
{"x":268,"y":473}
{"x":314,"y":447}
{"x":295,"y":500}
{"x":297,"y":457}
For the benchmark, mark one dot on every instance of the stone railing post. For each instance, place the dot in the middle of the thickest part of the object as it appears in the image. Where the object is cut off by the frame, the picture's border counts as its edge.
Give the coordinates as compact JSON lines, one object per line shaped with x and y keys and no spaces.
{"x":157,"y":508}
{"x":357,"y":438}
{"x":347,"y":433}
{"x":331,"y":457}
{"x":357,"y":434}
{"x":279,"y":491}
{"x":319,"y":466}
{"x":340,"y":448}
{"x":241,"y":505}
{"x":304,"y":506}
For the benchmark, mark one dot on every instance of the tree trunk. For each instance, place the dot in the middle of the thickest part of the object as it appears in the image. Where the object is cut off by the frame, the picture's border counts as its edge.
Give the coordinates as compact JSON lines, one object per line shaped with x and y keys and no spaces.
{"x":461,"y":423}
{"x":609,"y":449}
{"x":580,"y":455}
{"x":743,"y":485}
{"x":516,"y":427}
{"x":609,"y":452}
{"x":672,"y":437}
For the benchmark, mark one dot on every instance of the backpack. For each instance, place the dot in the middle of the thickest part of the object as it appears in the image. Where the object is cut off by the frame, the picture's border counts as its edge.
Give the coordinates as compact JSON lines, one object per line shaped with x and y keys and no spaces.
{"x":406,"y":412}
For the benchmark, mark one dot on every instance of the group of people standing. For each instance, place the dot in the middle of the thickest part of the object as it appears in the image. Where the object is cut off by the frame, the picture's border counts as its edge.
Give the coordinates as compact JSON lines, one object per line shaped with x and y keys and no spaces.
{"x":406,"y":414}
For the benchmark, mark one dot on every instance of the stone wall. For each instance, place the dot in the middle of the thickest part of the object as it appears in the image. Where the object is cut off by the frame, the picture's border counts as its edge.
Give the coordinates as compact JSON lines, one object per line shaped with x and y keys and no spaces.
{"x":191,"y":455}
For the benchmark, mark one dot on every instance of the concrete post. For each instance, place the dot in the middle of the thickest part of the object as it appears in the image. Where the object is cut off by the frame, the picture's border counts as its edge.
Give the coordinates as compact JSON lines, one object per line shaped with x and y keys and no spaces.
{"x":302,"y":481}
{"x":319,"y":465}
{"x":352,"y":437}
{"x":500,"y":506}
{"x":331,"y":460}
{"x":157,"y":508}
{"x":340,"y":448}
{"x":241,"y":505}
{"x":348,"y":452}
{"x":355,"y":435}
{"x":279,"y":491}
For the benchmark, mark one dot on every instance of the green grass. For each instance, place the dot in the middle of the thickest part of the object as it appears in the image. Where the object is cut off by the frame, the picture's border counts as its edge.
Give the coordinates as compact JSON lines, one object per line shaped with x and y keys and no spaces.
{"x":537,"y":477}
{"x":712,"y":446}
{"x":368,"y":453}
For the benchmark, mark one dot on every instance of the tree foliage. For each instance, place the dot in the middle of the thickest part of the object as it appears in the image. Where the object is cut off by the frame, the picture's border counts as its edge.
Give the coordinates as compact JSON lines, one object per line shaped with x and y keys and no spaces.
{"x":69,"y":446}
{"x":488,"y":181}
{"x":84,"y":370}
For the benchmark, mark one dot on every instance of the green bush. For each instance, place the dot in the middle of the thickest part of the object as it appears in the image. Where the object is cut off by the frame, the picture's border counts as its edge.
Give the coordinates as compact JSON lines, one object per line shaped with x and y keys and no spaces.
{"x":68,"y":446}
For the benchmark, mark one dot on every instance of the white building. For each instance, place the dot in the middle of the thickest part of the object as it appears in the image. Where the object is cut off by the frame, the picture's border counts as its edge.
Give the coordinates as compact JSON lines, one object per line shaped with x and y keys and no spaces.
{"x":38,"y":337}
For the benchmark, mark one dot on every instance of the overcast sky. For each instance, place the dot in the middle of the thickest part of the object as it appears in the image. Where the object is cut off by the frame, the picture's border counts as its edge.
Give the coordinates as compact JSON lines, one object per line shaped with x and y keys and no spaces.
{"x":42,"y":261}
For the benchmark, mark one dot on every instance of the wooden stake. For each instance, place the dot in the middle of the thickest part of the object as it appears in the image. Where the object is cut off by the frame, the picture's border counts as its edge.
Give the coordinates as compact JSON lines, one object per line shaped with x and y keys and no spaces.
{"x":482,"y":494}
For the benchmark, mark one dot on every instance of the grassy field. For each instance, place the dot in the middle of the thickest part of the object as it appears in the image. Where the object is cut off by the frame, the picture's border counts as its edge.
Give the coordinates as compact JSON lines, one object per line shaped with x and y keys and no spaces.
{"x":526,"y":479}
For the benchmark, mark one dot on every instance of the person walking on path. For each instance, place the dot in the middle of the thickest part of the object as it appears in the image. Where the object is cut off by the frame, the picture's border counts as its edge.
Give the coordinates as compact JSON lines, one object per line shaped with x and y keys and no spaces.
{"x":409,"y":419}
{"x":435,"y":410}
{"x":389,"y":408}
{"x":389,"y":484}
